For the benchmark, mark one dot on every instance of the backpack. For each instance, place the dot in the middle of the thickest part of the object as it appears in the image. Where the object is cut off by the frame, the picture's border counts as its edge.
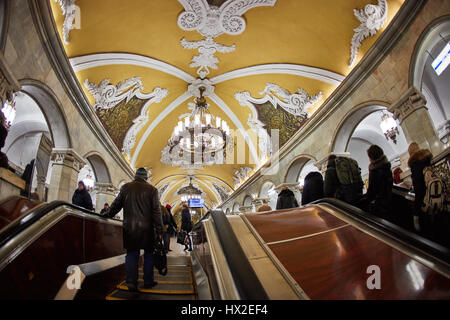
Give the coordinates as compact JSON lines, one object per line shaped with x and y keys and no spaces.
{"x":349,"y":176}
{"x":434,"y":200}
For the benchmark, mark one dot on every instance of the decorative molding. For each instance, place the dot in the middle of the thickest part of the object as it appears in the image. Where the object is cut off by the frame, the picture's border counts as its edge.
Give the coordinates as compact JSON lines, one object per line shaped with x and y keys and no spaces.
{"x":372,"y":18}
{"x":222,"y":191}
{"x":282,"y":68}
{"x":194,"y":87}
{"x":68,"y":157}
{"x":408,"y":103}
{"x":69,"y":10}
{"x":129,"y":142}
{"x":210,"y":22}
{"x":105,"y":188}
{"x":206,"y":59}
{"x":108,"y":96}
{"x":295,"y":104}
{"x":106,"y":59}
{"x":163,"y":189}
{"x":8,"y":83}
{"x":241,"y":175}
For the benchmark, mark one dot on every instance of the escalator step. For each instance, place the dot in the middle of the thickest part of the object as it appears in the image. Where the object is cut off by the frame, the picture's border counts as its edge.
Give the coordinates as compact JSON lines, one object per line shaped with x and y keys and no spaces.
{"x":125,"y":295}
{"x":164,"y":288}
{"x":166,"y":281}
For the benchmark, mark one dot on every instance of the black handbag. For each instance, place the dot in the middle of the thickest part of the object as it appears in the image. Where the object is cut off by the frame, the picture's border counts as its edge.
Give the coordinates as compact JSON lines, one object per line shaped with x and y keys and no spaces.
{"x":160,"y":258}
{"x":181,"y":236}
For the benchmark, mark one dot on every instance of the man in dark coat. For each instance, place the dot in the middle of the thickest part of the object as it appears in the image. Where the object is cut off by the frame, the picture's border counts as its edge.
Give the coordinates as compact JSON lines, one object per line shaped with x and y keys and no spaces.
{"x":186,"y":225}
{"x":82,"y":198}
{"x":142,"y":224}
{"x":418,"y":160}
{"x":313,"y":187}
{"x":379,"y":193}
{"x":286,"y":199}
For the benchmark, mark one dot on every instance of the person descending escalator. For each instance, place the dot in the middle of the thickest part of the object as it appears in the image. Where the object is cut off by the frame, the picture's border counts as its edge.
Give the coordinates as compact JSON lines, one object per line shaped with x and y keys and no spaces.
{"x":168,"y":225}
{"x":172,"y":229}
{"x":378,"y":198}
{"x":186,"y":226}
{"x":82,"y":198}
{"x":142,"y":226}
{"x":313,"y":188}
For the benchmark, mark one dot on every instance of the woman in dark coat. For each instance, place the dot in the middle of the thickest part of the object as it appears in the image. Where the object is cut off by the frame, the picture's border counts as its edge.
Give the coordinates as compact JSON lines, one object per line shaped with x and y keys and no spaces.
{"x":418,"y":160}
{"x":313,"y":188}
{"x":286,"y":199}
{"x":379,"y":193}
{"x":186,"y":225}
{"x":82,"y":198}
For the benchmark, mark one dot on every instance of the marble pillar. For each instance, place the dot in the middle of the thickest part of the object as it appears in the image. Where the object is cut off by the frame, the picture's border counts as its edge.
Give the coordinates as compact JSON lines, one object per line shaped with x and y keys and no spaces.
{"x":66,"y":165}
{"x":105,"y":193}
{"x":411,"y":112}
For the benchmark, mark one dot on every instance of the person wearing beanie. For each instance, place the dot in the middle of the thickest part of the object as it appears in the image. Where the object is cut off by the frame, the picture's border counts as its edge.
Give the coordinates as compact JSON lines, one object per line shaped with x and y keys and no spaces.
{"x":82,"y":198}
{"x":379,"y":193}
{"x":142,"y":225}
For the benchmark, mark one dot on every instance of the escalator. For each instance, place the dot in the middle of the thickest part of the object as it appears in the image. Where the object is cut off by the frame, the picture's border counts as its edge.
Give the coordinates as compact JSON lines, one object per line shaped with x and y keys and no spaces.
{"x":320,"y":251}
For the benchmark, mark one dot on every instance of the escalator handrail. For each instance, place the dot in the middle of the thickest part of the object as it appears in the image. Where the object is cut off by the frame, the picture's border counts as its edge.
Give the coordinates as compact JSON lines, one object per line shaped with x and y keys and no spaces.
{"x":19,"y":225}
{"x":436,"y":250}
{"x":247,"y":283}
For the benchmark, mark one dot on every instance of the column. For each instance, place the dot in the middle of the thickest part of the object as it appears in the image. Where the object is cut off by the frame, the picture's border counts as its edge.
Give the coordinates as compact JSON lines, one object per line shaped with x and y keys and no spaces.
{"x":40,"y":188}
{"x":411,"y":111}
{"x":105,"y":193}
{"x":66,"y":165}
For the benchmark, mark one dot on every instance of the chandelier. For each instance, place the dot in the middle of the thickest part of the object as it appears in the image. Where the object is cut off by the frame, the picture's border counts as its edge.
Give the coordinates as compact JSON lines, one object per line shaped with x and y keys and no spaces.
{"x":9,"y":113}
{"x":190,"y":192}
{"x":389,"y":127}
{"x":199,"y":138}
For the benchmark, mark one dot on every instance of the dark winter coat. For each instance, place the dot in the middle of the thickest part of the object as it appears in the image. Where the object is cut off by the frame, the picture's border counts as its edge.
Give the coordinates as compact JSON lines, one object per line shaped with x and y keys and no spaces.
{"x":331,"y":183}
{"x":82,"y":199}
{"x":186,"y":220}
{"x":313,"y":188}
{"x":142,"y":219}
{"x":286,"y":200}
{"x":417,"y":162}
{"x":379,"y":193}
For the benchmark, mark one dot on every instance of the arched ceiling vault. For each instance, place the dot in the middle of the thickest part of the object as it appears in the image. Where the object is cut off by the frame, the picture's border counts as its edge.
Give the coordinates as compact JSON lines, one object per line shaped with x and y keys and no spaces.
{"x":266,"y":55}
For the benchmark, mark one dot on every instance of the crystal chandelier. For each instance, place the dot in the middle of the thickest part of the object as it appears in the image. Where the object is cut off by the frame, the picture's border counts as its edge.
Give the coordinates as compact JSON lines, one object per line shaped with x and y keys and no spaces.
{"x":190,"y":192}
{"x":389,"y":127}
{"x":199,"y":138}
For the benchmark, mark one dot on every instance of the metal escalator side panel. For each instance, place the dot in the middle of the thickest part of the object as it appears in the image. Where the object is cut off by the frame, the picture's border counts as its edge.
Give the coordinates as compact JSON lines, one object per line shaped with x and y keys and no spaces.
{"x":223,"y":276}
{"x":277,"y":282}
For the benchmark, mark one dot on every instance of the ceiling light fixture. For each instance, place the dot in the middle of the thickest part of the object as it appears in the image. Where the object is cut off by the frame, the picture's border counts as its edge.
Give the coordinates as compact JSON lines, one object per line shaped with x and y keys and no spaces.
{"x":389,"y":127}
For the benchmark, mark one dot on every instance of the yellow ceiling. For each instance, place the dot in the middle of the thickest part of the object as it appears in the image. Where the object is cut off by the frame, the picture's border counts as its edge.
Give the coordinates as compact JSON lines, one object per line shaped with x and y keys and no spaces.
{"x":299,"y":32}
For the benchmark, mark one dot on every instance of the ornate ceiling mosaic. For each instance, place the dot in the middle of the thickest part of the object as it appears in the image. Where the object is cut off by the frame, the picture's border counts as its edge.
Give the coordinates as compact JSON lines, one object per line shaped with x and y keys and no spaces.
{"x":265,"y":64}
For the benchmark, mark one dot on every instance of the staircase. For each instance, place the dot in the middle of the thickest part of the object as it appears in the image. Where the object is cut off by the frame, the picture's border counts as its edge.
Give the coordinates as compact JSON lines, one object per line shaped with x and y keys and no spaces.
{"x":177,"y":284}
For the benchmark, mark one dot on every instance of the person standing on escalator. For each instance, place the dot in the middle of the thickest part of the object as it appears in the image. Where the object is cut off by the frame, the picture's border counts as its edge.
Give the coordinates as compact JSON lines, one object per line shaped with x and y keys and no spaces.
{"x":82,"y":198}
{"x":142,"y":226}
{"x":186,"y":226}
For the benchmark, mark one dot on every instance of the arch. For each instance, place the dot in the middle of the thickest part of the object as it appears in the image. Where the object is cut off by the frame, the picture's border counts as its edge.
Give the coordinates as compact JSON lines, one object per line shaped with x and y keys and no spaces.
{"x":350,"y":121}
{"x":99,"y":166}
{"x":236,"y":207}
{"x":295,"y":167}
{"x":430,"y":36}
{"x":247,"y":201}
{"x":52,"y":110}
